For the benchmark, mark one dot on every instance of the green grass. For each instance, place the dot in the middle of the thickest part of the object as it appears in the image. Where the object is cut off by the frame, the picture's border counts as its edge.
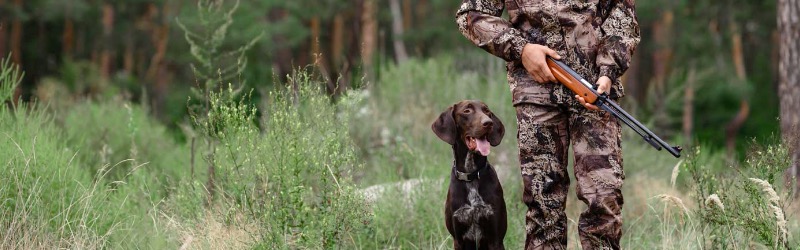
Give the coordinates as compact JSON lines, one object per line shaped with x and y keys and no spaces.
{"x":399,"y":145}
{"x":288,"y":173}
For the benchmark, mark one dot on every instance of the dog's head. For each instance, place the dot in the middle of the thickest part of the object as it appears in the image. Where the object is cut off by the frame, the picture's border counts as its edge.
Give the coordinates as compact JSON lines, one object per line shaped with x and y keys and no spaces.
{"x":471,"y":123}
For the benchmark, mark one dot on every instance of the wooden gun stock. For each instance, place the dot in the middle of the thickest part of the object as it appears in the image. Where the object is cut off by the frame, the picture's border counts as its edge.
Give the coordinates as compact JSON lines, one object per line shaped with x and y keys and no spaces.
{"x":580,"y":86}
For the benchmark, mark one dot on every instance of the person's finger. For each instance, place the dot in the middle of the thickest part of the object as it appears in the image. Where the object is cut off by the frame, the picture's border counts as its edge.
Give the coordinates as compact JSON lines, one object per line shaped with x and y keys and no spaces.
{"x":604,"y":85}
{"x":586,"y":104}
{"x":535,"y":76}
{"x":603,"y":88}
{"x":553,"y":53}
{"x":548,"y":74}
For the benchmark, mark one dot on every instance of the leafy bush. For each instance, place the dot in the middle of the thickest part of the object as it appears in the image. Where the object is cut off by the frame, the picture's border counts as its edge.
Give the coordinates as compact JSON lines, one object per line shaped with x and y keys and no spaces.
{"x":292,"y":178}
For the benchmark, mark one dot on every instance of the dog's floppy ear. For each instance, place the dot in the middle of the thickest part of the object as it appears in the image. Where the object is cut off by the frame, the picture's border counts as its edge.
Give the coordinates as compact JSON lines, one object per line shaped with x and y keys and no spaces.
{"x":445,"y":127}
{"x":497,"y":131}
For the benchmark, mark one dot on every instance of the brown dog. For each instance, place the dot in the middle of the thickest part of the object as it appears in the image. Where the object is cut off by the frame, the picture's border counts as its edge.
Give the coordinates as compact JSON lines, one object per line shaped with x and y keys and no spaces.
{"x":475,"y":212}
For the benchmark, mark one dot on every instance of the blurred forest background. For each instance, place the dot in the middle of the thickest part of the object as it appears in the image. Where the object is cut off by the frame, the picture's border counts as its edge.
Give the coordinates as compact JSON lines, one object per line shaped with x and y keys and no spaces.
{"x":305,"y":124}
{"x":725,"y":52}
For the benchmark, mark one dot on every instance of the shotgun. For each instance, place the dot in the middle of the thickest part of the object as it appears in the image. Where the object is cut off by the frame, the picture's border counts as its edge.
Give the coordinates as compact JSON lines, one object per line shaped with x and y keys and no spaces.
{"x":582,"y":87}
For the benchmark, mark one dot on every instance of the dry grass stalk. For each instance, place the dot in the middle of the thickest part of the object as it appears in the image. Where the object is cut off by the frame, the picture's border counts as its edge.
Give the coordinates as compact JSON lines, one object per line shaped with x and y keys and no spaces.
{"x":774,"y":200}
{"x":714,"y":200}
{"x":767,"y":188}
{"x":674,"y":201}
{"x":675,"y":171}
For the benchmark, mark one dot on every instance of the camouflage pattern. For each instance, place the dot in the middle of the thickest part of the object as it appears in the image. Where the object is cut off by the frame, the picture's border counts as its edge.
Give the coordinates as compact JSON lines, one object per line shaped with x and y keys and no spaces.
{"x":545,"y":132}
{"x":594,"y":37}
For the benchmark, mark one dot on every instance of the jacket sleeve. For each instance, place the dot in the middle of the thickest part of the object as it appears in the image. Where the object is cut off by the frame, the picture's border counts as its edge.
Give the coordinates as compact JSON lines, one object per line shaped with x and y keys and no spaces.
{"x":621,"y":35}
{"x":480,"y":22}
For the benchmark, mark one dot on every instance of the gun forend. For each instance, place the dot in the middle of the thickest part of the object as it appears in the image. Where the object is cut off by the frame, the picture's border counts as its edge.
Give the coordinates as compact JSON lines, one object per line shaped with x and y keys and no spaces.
{"x":565,"y":75}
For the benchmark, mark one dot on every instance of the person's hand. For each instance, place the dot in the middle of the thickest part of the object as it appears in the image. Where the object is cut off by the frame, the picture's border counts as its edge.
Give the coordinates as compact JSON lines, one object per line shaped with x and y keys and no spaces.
{"x":603,"y":86}
{"x":534,"y":60}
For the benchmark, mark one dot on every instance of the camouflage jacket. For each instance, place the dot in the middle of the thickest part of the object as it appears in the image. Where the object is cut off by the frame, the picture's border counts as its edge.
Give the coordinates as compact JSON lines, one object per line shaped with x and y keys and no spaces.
{"x":594,"y":37}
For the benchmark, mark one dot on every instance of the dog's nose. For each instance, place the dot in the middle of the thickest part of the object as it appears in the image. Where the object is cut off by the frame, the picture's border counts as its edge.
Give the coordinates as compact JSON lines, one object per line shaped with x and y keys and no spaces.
{"x":487,"y":123}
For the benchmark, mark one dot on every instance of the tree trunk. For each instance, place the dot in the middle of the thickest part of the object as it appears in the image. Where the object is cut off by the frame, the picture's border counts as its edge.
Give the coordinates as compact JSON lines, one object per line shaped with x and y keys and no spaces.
{"x":337,"y":42}
{"x":318,"y":56}
{"x":68,"y":38}
{"x":16,"y":37}
{"x":16,"y":48}
{"x":407,"y":14}
{"x":688,"y":106}
{"x":108,"y":25}
{"x":369,"y":36}
{"x":283,"y":53}
{"x":156,"y":73}
{"x":789,"y":78}
{"x":421,"y":10}
{"x":3,"y":36}
{"x":732,"y":129}
{"x":397,"y":32}
{"x":662,"y":59}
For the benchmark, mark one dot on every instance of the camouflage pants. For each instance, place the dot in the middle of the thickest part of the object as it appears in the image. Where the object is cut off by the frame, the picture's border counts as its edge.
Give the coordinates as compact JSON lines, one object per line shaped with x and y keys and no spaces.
{"x":545,"y":132}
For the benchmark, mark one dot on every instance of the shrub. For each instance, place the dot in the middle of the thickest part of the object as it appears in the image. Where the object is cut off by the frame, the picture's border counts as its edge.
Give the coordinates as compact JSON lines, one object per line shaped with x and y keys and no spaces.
{"x":292,"y":178}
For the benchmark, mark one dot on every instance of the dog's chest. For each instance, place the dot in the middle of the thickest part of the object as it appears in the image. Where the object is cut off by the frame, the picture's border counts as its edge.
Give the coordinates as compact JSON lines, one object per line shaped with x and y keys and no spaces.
{"x":473,"y":211}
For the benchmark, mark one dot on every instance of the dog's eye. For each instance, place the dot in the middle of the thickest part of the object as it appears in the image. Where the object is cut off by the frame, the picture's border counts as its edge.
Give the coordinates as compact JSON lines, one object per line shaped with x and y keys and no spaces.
{"x":467,"y":111}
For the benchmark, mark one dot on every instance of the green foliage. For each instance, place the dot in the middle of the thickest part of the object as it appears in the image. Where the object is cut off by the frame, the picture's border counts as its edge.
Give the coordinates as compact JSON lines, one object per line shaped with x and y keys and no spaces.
{"x":393,"y":129}
{"x":744,"y":204}
{"x":699,"y":42}
{"x":292,"y":178}
{"x":49,"y":198}
{"x":213,"y":63}
{"x":111,"y":132}
{"x":10,"y":78}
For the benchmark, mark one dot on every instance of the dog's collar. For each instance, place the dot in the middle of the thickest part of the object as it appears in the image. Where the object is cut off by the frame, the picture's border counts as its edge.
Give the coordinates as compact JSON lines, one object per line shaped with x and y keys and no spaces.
{"x":468,"y":177}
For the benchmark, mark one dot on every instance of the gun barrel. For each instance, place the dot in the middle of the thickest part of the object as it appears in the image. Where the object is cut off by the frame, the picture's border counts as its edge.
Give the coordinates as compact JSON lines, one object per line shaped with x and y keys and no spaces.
{"x":582,"y":87}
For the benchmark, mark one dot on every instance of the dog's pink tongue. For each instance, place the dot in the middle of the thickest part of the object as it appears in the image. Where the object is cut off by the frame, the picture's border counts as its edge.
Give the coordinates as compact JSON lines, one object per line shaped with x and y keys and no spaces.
{"x":483,"y":146}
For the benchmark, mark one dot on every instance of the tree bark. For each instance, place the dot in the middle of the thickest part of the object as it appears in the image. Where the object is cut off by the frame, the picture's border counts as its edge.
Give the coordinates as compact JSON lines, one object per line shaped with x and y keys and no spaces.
{"x":732,"y":129}
{"x":318,"y":56}
{"x":3,"y":33}
{"x":789,"y":78}
{"x":407,"y":14}
{"x":337,"y":43}
{"x":662,"y":59}
{"x":107,"y":20}
{"x":397,"y":32}
{"x":16,"y":48}
{"x":283,"y":54}
{"x":369,"y":36}
{"x":688,"y":106}
{"x":68,"y":38}
{"x":16,"y":37}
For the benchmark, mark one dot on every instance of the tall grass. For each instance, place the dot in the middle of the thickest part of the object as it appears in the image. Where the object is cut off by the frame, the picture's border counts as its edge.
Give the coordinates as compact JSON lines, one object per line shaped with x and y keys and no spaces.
{"x":661,"y":208}
{"x":294,"y":171}
{"x":287,"y":175}
{"x":50,"y":199}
